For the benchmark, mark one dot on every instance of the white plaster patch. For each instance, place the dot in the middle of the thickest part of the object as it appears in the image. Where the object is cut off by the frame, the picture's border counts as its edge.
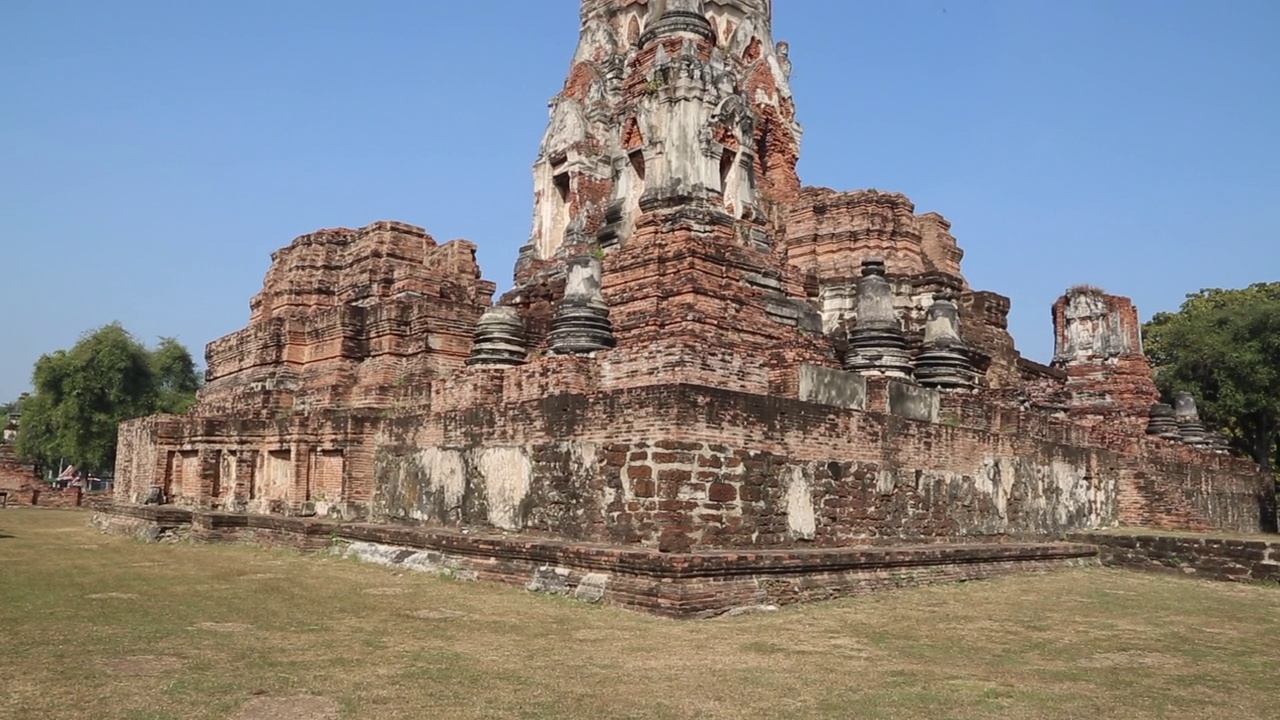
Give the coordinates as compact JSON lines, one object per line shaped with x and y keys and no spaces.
{"x":801,"y":518}
{"x":444,"y":471}
{"x":1092,"y":328}
{"x":406,"y":558}
{"x":939,"y":327}
{"x":592,"y":587}
{"x":1072,"y":490}
{"x":507,"y":474}
{"x":278,"y":478}
{"x":995,"y":479}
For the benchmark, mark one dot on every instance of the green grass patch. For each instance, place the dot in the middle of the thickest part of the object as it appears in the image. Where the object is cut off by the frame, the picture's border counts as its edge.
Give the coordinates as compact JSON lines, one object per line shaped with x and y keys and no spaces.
{"x":102,"y":627}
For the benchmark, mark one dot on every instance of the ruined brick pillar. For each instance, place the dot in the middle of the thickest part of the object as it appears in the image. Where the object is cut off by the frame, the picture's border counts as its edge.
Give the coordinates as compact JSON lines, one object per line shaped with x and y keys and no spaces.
{"x":1098,"y":342}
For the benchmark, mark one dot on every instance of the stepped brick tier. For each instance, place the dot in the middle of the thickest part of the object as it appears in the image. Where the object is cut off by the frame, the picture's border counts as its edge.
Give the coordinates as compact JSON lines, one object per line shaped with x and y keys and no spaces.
{"x":1234,"y":559}
{"x":698,"y":354}
{"x":679,"y":585}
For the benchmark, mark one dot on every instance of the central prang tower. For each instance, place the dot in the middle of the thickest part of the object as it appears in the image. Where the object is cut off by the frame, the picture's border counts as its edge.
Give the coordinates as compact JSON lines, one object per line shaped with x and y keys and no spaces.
{"x":678,"y":111}
{"x":672,"y":152}
{"x":681,"y":100}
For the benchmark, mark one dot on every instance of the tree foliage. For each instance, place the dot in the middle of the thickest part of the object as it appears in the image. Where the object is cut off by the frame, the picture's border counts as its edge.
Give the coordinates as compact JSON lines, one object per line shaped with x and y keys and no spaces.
{"x":82,"y":394}
{"x":175,"y":376}
{"x":1223,"y":347}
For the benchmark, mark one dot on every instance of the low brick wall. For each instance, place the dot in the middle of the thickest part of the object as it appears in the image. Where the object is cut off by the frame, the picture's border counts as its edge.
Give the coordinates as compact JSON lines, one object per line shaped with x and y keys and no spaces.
{"x":1217,"y":558}
{"x":697,"y":585}
{"x":145,"y":522}
{"x":304,"y":534}
{"x":45,"y":497}
{"x":681,"y":585}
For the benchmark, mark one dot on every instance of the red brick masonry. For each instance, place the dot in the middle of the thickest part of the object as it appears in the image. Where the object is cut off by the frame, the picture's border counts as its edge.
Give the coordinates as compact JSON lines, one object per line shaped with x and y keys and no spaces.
{"x":1214,"y":558}
{"x":679,"y":585}
{"x":715,"y":453}
{"x":44,"y":496}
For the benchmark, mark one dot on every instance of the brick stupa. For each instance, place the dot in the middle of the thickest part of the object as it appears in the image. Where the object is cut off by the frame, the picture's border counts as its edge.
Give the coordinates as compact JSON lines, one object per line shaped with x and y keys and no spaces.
{"x":698,"y":354}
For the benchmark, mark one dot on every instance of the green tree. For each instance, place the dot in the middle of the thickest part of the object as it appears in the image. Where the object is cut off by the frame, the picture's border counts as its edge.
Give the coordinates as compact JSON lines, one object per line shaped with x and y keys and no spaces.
{"x":176,"y":381}
{"x":1223,"y":346}
{"x":82,"y":394}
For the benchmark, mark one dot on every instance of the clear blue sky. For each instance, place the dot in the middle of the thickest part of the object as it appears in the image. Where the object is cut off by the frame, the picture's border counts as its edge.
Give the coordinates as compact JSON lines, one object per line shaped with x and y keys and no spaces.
{"x":153,"y":154}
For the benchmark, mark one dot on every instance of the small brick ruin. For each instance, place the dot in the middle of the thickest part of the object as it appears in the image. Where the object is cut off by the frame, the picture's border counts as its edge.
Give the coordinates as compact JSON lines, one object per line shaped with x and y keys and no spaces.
{"x":698,"y":353}
{"x":20,"y":480}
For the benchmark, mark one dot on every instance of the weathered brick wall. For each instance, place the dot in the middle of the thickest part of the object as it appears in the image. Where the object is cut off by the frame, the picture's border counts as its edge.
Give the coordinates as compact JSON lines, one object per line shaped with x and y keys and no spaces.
{"x":941,"y":252}
{"x":679,"y":585}
{"x":41,"y":495}
{"x":142,"y":455}
{"x":984,"y":324}
{"x":563,"y":447}
{"x":831,"y":233}
{"x":14,"y":472}
{"x":298,"y":463}
{"x":1217,"y":558}
{"x":687,"y":467}
{"x":144,"y":522}
{"x":691,"y":304}
{"x":1172,"y":486}
{"x":350,"y":318}
{"x":97,"y":500}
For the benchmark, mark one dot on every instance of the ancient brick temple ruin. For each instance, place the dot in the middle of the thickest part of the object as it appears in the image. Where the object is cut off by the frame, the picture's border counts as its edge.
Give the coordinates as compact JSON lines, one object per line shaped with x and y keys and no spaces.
{"x":20,"y":478}
{"x":17,"y":475}
{"x":699,"y":355}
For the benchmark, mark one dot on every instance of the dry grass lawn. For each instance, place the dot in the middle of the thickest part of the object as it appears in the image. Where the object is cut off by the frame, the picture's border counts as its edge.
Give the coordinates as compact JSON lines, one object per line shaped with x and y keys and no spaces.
{"x":102,"y":627}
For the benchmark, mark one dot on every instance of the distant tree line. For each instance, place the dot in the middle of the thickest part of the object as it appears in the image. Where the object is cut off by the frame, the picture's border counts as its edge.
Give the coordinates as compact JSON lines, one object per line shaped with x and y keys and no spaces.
{"x":81,"y":395}
{"x":1223,"y":347}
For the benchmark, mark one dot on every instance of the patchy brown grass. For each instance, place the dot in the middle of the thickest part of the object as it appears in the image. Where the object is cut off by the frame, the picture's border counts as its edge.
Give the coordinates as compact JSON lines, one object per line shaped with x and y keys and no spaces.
{"x":123,"y":630}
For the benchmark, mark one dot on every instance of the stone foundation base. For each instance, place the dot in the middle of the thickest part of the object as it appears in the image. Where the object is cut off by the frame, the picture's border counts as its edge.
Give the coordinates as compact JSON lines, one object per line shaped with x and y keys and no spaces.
{"x":144,"y":522}
{"x":1214,"y":558}
{"x":679,"y":585}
